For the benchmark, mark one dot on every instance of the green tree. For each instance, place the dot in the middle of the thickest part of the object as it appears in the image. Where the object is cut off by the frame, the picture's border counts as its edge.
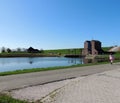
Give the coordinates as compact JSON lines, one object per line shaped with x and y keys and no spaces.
{"x":9,"y":50}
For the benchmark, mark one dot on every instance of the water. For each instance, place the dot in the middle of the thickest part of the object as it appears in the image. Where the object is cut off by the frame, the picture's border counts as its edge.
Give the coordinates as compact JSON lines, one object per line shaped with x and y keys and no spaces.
{"x":10,"y":64}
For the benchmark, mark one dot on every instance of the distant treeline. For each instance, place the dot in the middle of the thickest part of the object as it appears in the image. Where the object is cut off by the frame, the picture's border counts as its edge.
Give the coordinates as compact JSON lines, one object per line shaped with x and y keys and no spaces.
{"x":21,"y":50}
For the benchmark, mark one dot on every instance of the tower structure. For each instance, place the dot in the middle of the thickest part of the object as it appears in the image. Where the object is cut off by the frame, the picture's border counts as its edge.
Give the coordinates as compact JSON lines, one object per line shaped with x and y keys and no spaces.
{"x":92,"y":47}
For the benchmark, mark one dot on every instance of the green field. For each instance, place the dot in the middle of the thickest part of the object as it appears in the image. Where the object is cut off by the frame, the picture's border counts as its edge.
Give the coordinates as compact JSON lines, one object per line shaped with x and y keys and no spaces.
{"x":73,"y":51}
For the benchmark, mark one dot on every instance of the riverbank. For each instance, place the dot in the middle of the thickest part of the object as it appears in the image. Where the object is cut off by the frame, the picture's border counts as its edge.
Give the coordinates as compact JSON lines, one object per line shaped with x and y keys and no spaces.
{"x":6,"y":55}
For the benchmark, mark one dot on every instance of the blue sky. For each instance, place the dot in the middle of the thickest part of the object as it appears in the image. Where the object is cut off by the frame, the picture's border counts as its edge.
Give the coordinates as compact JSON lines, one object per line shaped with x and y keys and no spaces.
{"x":58,"y":24}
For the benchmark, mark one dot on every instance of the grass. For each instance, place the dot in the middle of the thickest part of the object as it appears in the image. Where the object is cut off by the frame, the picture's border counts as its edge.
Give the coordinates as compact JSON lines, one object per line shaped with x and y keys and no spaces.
{"x":8,"y":99}
{"x":4,"y":55}
{"x":77,"y":51}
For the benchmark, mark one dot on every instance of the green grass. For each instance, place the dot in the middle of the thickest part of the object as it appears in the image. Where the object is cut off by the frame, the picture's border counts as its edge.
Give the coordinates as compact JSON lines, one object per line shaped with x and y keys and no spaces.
{"x":64,"y":51}
{"x":21,"y":55}
{"x":8,"y":99}
{"x":106,"y":48}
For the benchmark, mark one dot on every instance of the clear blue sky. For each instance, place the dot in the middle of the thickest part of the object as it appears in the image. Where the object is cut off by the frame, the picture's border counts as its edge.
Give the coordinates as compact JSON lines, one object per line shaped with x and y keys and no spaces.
{"x":58,"y":24}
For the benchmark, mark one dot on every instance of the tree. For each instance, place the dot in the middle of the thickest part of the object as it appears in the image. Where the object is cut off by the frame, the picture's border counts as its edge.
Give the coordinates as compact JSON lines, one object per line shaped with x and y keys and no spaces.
{"x":3,"y":50}
{"x":8,"y":50}
{"x":41,"y":51}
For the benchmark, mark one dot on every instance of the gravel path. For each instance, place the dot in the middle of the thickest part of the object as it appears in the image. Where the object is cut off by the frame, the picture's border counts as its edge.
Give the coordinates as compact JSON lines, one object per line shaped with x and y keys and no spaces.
{"x":35,"y":93}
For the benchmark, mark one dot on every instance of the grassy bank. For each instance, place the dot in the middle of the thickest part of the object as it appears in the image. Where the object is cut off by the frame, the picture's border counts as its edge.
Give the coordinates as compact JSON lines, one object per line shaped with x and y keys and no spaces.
{"x":8,"y":99}
{"x":2,"y":55}
{"x":74,"y":51}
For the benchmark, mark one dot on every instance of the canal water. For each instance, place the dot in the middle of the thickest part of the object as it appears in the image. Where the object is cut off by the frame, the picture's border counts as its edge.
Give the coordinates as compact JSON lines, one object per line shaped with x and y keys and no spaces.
{"x":10,"y":64}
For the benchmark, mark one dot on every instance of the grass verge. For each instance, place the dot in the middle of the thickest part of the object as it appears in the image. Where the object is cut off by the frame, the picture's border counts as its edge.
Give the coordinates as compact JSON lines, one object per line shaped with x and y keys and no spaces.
{"x":8,"y":99}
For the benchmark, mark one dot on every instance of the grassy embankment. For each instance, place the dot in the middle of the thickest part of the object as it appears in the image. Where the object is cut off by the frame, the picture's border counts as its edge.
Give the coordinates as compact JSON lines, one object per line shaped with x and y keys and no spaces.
{"x":62,"y":52}
{"x":8,"y":99}
{"x":2,"y":55}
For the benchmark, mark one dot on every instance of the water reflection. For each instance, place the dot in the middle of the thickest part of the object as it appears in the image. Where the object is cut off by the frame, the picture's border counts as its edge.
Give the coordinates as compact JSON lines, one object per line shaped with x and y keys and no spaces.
{"x":30,"y":60}
{"x":86,"y":61}
{"x":75,"y":60}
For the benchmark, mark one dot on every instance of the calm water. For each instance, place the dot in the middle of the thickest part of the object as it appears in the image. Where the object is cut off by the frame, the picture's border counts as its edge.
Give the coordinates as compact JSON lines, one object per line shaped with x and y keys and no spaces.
{"x":9,"y":64}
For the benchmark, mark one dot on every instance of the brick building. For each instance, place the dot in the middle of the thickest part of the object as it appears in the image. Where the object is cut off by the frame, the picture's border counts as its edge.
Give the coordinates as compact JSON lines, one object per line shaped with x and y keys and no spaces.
{"x":92,"y":47}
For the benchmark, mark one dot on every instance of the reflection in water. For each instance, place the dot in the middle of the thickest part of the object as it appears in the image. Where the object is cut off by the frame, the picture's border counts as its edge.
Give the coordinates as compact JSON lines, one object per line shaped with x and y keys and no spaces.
{"x":86,"y":61}
{"x":75,"y":60}
{"x":30,"y":60}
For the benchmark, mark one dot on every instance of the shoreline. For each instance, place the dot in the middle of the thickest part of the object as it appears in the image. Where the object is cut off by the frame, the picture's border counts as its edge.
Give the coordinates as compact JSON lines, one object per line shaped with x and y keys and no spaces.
{"x":7,"y":55}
